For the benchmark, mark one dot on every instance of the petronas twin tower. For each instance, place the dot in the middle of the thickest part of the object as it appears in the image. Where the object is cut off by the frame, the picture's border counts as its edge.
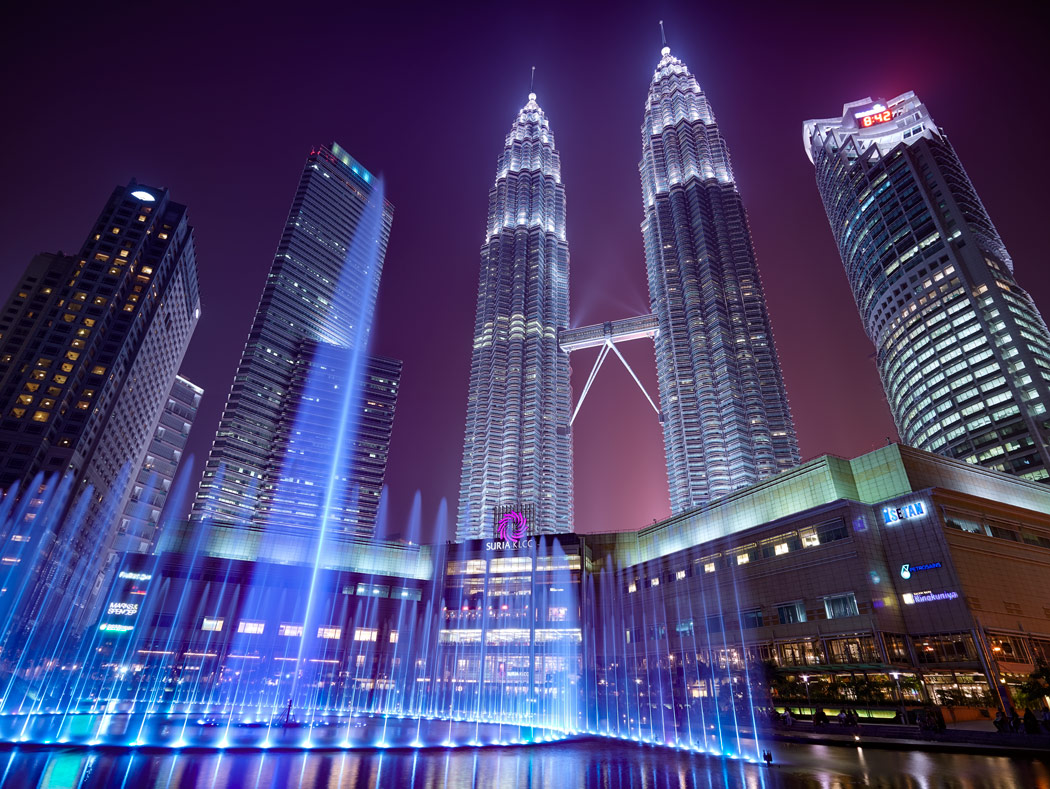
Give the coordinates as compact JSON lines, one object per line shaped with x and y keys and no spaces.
{"x":723,"y":405}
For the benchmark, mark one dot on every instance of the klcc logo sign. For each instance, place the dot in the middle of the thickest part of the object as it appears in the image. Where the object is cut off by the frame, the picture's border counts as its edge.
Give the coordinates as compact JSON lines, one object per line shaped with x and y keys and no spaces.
{"x":510,"y":532}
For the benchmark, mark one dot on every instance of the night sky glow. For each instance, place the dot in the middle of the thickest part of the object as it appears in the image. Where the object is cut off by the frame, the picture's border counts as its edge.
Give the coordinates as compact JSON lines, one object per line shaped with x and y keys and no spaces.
{"x":222,"y":106}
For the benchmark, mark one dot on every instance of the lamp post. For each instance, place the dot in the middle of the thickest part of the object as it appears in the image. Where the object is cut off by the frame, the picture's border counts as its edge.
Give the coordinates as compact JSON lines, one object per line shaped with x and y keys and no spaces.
{"x":900,"y":698}
{"x":805,"y":681}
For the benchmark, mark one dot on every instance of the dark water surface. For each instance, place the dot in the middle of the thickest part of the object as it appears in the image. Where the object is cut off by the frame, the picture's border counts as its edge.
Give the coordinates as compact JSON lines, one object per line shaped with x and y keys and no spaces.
{"x":592,"y":764}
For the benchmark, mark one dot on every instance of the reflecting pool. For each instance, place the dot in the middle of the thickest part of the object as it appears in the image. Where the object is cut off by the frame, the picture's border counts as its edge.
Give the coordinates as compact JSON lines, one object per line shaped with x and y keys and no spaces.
{"x":591,"y":764}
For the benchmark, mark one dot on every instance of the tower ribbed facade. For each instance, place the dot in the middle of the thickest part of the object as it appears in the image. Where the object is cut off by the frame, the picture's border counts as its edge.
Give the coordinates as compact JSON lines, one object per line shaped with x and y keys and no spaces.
{"x":723,"y":404}
{"x":317,"y":303}
{"x":963,"y":353}
{"x":517,"y":452}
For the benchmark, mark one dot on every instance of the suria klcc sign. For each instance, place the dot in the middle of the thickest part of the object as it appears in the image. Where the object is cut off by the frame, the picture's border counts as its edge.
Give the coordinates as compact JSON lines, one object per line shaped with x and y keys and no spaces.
{"x":905,"y":512}
{"x":511,"y":532}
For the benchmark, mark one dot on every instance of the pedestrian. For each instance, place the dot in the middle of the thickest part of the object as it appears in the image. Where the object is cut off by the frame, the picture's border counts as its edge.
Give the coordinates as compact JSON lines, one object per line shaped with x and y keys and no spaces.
{"x":1015,"y":721}
{"x":1031,"y":724}
{"x":1000,"y":722}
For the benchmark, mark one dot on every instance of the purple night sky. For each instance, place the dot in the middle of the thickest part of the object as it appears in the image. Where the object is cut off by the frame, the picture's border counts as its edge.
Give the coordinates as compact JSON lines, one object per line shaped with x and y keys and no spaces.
{"x":222,"y":107}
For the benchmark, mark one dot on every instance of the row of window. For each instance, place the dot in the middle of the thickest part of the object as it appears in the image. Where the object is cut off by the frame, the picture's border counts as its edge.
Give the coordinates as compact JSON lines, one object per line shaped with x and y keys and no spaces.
{"x":291,"y":630}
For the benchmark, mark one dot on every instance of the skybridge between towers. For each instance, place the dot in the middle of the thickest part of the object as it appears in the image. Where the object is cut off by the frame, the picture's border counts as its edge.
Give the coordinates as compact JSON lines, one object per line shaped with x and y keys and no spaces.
{"x":606,"y":336}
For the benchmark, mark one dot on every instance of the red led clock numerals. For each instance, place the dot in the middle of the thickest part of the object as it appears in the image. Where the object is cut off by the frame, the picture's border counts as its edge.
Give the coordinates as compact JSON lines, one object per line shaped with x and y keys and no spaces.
{"x":875,"y":118}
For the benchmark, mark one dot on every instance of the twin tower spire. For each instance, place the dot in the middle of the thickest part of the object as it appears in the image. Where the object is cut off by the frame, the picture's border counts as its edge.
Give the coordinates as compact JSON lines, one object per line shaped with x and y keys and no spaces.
{"x":723,"y":406}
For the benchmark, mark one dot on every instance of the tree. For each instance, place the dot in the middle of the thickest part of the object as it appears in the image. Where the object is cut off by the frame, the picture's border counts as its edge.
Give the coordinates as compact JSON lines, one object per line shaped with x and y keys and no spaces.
{"x":1034,"y":691}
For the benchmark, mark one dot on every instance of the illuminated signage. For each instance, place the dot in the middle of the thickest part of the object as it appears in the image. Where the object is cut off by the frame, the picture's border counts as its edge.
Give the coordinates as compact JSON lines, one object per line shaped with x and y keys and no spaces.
{"x":122,"y":609}
{"x":875,"y":117}
{"x":111,"y":628}
{"x":510,"y":532}
{"x":915,"y":509}
{"x":910,"y":598}
{"x":908,"y":569}
{"x":134,"y":576}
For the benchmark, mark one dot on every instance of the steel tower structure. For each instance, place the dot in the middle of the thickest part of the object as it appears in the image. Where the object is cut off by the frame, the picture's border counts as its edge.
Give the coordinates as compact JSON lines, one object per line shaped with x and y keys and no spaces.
{"x":723,"y":404}
{"x":517,"y":451}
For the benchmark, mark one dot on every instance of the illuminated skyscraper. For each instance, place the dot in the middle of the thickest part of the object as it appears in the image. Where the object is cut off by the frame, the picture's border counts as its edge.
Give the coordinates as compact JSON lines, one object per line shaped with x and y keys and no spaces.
{"x":517,"y":452}
{"x":90,"y":346}
{"x":963,"y":353}
{"x":722,"y":399}
{"x":321,"y":291}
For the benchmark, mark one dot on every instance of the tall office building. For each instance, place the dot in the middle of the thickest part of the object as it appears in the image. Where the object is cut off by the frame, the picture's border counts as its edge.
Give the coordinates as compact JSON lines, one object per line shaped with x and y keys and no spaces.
{"x":316,"y":478}
{"x":723,"y":404}
{"x":963,"y":353}
{"x":153,"y":483}
{"x":321,"y":289}
{"x":517,"y":451}
{"x":89,"y":348}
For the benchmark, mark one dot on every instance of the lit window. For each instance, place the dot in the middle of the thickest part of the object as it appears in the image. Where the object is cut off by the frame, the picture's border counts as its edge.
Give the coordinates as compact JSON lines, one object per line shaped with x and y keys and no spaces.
{"x":654,"y":582}
{"x":40,"y":416}
{"x":98,"y":369}
{"x":679,"y":575}
{"x":841,"y":606}
{"x":366,"y":634}
{"x":290,"y":630}
{"x":246,"y":626}
{"x":332,"y":633}
{"x":743,"y":558}
{"x":709,"y":567}
{"x":214,"y":625}
{"x":791,"y":614}
{"x":781,"y":548}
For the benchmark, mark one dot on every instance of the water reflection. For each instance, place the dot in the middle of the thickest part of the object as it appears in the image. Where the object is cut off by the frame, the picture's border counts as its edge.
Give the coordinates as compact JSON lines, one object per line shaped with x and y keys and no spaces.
{"x":590,"y":764}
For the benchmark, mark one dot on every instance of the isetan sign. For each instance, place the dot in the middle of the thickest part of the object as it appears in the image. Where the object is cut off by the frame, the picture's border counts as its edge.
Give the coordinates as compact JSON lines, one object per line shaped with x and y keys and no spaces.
{"x":511,"y":531}
{"x":905,"y":512}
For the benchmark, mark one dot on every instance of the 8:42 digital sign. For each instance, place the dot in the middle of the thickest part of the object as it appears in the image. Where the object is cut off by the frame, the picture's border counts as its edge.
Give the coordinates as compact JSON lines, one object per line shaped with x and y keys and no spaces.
{"x":874,"y":118}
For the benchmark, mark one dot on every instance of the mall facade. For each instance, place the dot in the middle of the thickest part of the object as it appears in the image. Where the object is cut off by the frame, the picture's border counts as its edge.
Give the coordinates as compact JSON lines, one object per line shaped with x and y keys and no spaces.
{"x":896,"y":578}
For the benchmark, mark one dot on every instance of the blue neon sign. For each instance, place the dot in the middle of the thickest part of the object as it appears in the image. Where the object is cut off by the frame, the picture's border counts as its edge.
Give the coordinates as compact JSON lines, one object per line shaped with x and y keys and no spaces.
{"x":915,"y":509}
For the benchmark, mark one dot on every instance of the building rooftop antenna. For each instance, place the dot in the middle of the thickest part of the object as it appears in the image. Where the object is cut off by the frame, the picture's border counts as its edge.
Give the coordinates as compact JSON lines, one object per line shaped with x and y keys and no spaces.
{"x":663,"y":35}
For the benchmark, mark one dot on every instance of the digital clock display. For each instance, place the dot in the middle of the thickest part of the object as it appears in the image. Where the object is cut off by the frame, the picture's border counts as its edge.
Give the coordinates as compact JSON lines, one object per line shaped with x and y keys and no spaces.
{"x":874,"y":118}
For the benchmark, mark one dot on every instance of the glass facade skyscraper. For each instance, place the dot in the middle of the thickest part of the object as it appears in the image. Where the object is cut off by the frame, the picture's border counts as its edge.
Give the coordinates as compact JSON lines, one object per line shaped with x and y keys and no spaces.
{"x":963,"y":353}
{"x":724,"y":408}
{"x":517,"y":452}
{"x":294,"y":502}
{"x":321,"y":289}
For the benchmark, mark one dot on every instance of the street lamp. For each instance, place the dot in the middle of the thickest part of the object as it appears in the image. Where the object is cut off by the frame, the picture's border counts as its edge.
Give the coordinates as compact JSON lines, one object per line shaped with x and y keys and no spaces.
{"x":805,"y":681}
{"x":900,"y":698}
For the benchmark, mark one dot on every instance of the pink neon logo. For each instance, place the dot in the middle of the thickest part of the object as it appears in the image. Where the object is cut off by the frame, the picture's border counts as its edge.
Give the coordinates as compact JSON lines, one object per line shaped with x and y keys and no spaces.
{"x":511,"y":527}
